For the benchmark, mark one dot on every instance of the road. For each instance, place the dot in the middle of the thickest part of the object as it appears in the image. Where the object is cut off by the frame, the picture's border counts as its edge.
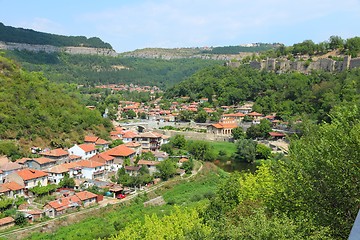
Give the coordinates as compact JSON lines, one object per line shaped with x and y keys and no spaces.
{"x":16,"y":233}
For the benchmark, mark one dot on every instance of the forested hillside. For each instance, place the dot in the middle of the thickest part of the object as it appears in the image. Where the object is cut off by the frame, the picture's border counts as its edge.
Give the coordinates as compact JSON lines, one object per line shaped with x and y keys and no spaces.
{"x":34,"y":109}
{"x":94,"y":70}
{"x":288,"y":94}
{"x":29,"y":36}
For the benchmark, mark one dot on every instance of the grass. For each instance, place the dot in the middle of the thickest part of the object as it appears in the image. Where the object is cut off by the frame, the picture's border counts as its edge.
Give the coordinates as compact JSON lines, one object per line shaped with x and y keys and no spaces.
{"x":109,"y":220}
{"x":228,"y":147}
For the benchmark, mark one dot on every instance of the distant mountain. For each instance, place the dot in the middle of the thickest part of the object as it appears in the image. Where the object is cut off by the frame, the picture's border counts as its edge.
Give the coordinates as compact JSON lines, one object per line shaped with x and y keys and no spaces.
{"x":28,"y":36}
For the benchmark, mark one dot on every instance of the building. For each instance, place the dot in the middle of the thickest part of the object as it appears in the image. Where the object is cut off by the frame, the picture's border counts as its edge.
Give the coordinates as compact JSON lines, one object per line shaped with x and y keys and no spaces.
{"x":58,"y":154}
{"x":11,"y":189}
{"x":61,"y":206}
{"x":6,"y":222}
{"x":120,"y":153}
{"x":57,"y":173}
{"x":151,"y":165}
{"x":92,"y":169}
{"x":105,"y":159}
{"x":87,"y":198}
{"x":224,"y":127}
{"x":39,"y":163}
{"x":150,"y":140}
{"x":85,"y":151}
{"x":238,"y":117}
{"x":100,"y":143}
{"x":256,"y":117}
{"x":28,"y":178}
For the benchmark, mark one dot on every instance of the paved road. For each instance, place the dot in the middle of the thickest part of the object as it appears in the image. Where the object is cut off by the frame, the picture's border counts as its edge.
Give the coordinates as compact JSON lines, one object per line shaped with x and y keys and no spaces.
{"x":16,"y":233}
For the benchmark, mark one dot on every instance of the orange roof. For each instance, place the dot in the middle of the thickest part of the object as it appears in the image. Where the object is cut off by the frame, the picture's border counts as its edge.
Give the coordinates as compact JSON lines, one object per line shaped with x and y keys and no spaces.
{"x":147,"y":162}
{"x":100,"y":141}
{"x":132,"y":144}
{"x":254,"y":114}
{"x":276,"y":134}
{"x":120,"y":151}
{"x":224,"y":125}
{"x":12,"y":186}
{"x":234,"y":115}
{"x":85,"y":195}
{"x":101,"y":157}
{"x":22,"y":160}
{"x":72,"y":157}
{"x":43,"y":160}
{"x":90,"y":139}
{"x":150,"y":135}
{"x":129,"y":134}
{"x":10,"y":166}
{"x":58,"y":169}
{"x":6,"y":220}
{"x":87,"y":147}
{"x":183,"y":160}
{"x":70,"y":165}
{"x":89,"y":164}
{"x":65,"y":202}
{"x":55,"y":153}
{"x":28,"y":174}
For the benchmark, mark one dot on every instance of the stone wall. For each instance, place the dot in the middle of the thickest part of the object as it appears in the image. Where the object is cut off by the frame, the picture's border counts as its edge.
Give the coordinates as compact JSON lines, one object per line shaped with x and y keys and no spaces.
{"x":52,"y":49}
{"x":325,"y":64}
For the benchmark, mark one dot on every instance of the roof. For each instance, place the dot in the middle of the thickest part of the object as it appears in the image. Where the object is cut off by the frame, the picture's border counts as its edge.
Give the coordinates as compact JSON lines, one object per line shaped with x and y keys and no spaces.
{"x":58,"y":169}
{"x":224,"y":125}
{"x":70,"y":165}
{"x":147,"y":162}
{"x":234,"y":115}
{"x":10,"y":166}
{"x":132,"y":168}
{"x":132,"y":144}
{"x":89,"y":164}
{"x":181,"y":160}
{"x":102,"y":157}
{"x":28,"y":174}
{"x":6,"y":220}
{"x":13,"y":186}
{"x":72,"y":157}
{"x":129,"y":134}
{"x":84,"y":195}
{"x":65,"y":202}
{"x":58,"y":152}
{"x":254,"y":114}
{"x":3,"y":160}
{"x":150,"y":135}
{"x":120,"y":151}
{"x":43,"y":160}
{"x":87,"y":147}
{"x":22,"y":160}
{"x":101,"y":141}
{"x":276,"y":134}
{"x":90,"y":139}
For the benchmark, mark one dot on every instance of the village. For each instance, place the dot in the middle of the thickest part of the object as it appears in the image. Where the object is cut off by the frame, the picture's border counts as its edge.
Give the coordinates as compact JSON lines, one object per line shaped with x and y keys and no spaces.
{"x":94,"y":164}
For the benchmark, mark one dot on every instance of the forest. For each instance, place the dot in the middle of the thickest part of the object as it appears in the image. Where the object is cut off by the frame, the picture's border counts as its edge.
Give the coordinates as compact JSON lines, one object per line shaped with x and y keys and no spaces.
{"x":33,"y":109}
{"x":29,"y":36}
{"x":93,"y":70}
{"x":292,"y":94}
{"x":259,"y":47}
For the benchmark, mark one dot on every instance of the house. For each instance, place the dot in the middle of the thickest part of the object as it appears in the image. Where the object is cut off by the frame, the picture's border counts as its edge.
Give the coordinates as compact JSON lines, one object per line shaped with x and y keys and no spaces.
{"x":132,"y":170}
{"x":151,"y":165}
{"x":105,"y":159}
{"x":39,"y":163}
{"x":11,"y":189}
{"x":129,"y":136}
{"x":120,"y":153}
{"x":224,"y":127}
{"x":237,"y":116}
{"x":32,"y":214}
{"x":58,"y":154}
{"x":28,"y":178}
{"x":6,"y":222}
{"x":61,"y":205}
{"x":276,"y":135}
{"x":87,"y":198}
{"x":100,"y":143}
{"x":135,"y":146}
{"x":57,"y":173}
{"x":75,"y":170}
{"x":256,"y":117}
{"x":160,"y":155}
{"x":74,"y":158}
{"x":92,"y":169}
{"x":85,"y":151}
{"x":9,"y":168}
{"x":150,"y":140}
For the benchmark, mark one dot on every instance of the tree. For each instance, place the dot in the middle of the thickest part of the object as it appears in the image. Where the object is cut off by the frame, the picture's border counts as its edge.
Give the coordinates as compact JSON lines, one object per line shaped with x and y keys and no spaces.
{"x":67,"y":181}
{"x":185,"y":116}
{"x":262,"y":151}
{"x":245,"y":150}
{"x":200,"y":150}
{"x":238,"y":133}
{"x":116,"y":143}
{"x":166,"y":169}
{"x":353,"y":46}
{"x":20,"y":219}
{"x":178,"y":141}
{"x":188,"y":166}
{"x":201,"y":116}
{"x":336,"y":42}
{"x":260,"y":130}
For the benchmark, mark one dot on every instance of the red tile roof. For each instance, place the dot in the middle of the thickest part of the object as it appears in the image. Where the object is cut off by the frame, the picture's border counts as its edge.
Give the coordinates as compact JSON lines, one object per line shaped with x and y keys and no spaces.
{"x":129,"y":134}
{"x":59,"y":152}
{"x":85,"y":195}
{"x":6,"y":220}
{"x":120,"y":151}
{"x":28,"y":174}
{"x":276,"y":134}
{"x":10,"y":166}
{"x":43,"y":160}
{"x":102,"y":157}
{"x":13,"y":186}
{"x":58,"y":169}
{"x":87,"y":147}
{"x":254,"y":114}
{"x":90,"y":139}
{"x":234,"y":115}
{"x":72,"y":157}
{"x":100,"y":141}
{"x":65,"y":202}
{"x":147,"y":162}
{"x":89,"y":164}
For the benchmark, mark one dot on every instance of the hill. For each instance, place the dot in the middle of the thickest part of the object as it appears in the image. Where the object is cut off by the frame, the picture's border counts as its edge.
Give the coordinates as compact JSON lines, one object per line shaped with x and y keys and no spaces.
{"x":29,"y":36}
{"x":32,"y":109}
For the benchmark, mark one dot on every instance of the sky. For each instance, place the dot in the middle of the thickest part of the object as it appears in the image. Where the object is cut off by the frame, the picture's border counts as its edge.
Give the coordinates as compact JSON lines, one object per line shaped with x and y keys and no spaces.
{"x":135,"y":24}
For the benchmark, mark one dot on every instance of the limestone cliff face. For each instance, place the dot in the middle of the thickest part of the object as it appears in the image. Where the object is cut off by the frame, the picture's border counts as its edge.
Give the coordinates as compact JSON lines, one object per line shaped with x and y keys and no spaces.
{"x":325,"y":64}
{"x":52,"y":49}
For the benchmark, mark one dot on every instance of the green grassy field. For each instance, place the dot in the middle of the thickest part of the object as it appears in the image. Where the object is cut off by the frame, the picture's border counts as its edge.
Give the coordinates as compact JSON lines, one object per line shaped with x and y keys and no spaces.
{"x":109,"y":220}
{"x":228,"y":147}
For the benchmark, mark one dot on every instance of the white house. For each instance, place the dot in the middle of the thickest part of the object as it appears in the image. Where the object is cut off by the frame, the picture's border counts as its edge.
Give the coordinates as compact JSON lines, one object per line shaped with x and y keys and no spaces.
{"x":29,"y":178}
{"x":85,"y":151}
{"x":92,"y":169}
{"x":57,"y":173}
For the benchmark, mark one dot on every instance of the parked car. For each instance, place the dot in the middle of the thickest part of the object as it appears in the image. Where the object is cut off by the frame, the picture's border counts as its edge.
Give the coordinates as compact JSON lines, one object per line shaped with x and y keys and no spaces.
{"x":120,"y":196}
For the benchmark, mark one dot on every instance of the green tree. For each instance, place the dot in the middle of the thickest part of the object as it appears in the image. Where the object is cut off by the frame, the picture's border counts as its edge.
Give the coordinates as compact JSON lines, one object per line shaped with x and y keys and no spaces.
{"x":185,"y":116}
{"x":166,"y":169}
{"x":188,"y":166}
{"x":116,"y":143}
{"x":245,"y":150}
{"x":200,"y":150}
{"x":262,"y":151}
{"x":201,"y":116}
{"x":178,"y":141}
{"x":131,"y":114}
{"x":20,"y":219}
{"x":238,"y":133}
{"x":67,"y":181}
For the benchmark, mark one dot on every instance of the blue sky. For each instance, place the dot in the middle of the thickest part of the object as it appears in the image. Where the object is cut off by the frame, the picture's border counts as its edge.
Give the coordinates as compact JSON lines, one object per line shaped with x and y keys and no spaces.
{"x":129,"y":25}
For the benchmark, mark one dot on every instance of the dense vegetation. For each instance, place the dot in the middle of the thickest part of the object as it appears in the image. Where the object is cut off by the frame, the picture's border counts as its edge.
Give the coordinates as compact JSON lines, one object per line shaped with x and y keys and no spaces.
{"x":20,"y":35}
{"x":34,"y":108}
{"x":259,"y":47}
{"x":95,"y":70}
{"x":287,"y":94}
